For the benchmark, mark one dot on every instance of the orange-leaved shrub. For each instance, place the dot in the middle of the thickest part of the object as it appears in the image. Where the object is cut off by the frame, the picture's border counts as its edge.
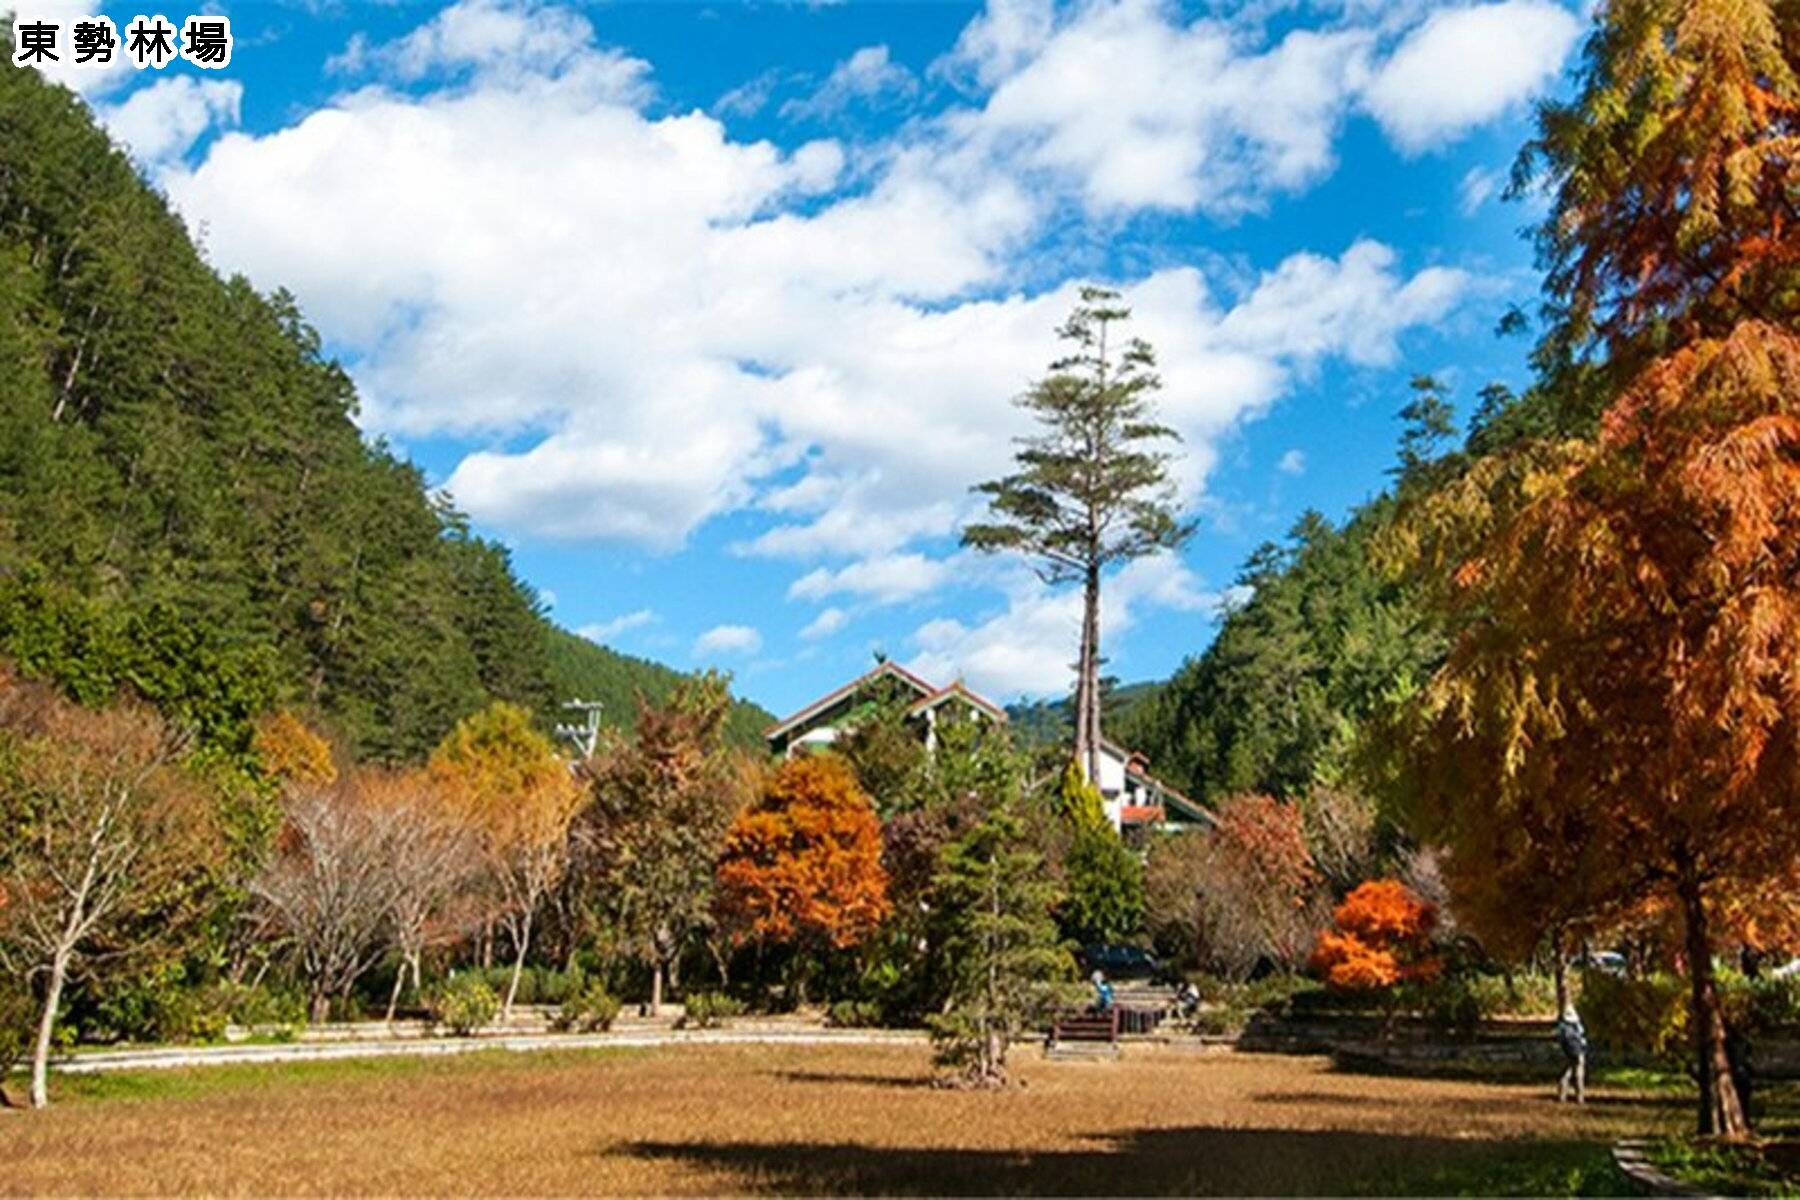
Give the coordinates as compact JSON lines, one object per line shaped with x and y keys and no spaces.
{"x":1382,"y":937}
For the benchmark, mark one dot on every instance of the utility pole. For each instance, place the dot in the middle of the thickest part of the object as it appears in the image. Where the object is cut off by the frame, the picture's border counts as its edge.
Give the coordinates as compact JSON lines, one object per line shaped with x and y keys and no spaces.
{"x":586,"y":735}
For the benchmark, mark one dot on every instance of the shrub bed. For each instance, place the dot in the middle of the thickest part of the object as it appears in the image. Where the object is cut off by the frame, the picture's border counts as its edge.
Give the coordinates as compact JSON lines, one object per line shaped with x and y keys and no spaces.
{"x":709,"y":1010}
{"x":464,"y":1003}
{"x":592,"y":1009}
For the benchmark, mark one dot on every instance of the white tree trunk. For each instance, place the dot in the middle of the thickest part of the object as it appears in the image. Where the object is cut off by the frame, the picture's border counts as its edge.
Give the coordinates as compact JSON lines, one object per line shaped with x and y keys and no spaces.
{"x":512,"y":989}
{"x":394,"y":996}
{"x":40,"y":1050}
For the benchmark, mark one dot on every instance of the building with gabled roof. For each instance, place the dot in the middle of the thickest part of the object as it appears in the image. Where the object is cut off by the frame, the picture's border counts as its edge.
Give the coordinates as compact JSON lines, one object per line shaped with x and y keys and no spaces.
{"x":818,"y":725}
{"x":1134,"y":798}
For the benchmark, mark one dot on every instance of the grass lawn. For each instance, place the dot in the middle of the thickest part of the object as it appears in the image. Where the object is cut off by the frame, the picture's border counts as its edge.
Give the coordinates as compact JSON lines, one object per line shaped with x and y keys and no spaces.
{"x":813,"y":1119}
{"x":1768,"y":1167}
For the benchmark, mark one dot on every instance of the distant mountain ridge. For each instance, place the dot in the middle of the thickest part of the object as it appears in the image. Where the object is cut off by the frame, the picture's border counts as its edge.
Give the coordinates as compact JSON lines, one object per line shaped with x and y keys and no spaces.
{"x":1041,"y":722}
{"x":188,"y":510}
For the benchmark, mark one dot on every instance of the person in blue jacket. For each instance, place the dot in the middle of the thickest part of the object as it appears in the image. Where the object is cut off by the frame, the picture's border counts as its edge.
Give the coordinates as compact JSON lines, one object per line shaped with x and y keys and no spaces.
{"x":1571,"y":1038}
{"x":1103,"y":996}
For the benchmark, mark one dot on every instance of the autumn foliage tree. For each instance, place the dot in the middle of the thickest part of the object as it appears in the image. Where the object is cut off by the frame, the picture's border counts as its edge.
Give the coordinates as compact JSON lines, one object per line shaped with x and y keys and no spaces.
{"x":506,"y":780}
{"x":1625,"y":680}
{"x":662,"y":801}
{"x":1244,"y":894}
{"x":1381,"y":937}
{"x":433,"y":857}
{"x":289,"y":750}
{"x":106,"y":842}
{"x":801,"y":865}
{"x":329,"y":885}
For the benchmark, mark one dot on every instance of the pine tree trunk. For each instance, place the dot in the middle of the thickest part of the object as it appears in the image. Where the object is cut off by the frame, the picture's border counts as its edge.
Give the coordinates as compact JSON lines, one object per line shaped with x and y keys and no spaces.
{"x":994,"y":1051}
{"x":1087,"y":686}
{"x":1560,"y":971}
{"x":40,"y":1050}
{"x":1083,"y":760}
{"x":1721,"y":1109}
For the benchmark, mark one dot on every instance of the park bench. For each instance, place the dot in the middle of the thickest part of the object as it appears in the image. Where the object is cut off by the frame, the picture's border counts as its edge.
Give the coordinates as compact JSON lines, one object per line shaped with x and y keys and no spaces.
{"x":1086,"y":1030}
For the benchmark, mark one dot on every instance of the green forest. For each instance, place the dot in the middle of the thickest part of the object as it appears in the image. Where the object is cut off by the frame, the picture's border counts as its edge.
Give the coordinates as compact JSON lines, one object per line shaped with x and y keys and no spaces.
{"x":1329,"y":634}
{"x":188,"y":510}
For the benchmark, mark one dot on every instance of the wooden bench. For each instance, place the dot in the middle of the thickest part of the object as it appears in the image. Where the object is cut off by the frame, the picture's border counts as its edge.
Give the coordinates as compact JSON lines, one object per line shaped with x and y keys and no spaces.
{"x":1088,"y":1027}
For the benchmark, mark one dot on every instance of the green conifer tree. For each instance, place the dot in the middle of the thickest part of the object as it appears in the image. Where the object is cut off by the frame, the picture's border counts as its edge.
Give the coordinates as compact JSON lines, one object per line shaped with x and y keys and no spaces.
{"x":1009,"y":969}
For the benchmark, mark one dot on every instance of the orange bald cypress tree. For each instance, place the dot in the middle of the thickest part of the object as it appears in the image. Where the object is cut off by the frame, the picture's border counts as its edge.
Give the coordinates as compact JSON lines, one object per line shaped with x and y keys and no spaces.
{"x":1620,"y":713}
{"x":802,"y":865}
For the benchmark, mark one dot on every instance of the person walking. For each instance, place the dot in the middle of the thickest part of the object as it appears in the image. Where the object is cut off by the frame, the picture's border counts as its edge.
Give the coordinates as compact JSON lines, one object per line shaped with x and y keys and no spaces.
{"x":1571,"y":1038}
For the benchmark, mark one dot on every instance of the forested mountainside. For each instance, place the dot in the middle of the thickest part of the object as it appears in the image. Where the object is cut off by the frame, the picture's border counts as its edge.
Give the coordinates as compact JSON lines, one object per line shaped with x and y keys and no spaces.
{"x":187,"y":507}
{"x":1320,"y":644}
{"x":581,"y":670}
{"x":1288,"y":693}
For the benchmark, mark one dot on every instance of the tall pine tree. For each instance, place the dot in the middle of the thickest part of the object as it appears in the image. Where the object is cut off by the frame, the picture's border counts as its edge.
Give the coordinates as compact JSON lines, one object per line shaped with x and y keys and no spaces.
{"x":1093,"y":487}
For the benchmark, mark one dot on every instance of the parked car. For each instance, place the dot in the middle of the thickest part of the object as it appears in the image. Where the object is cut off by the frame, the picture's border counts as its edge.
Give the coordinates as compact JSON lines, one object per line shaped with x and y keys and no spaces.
{"x":1605,"y":962}
{"x":1122,"y":962}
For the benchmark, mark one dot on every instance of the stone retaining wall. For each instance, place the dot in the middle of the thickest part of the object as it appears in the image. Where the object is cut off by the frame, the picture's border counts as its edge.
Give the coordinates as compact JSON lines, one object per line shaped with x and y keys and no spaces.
{"x":1526,"y":1045}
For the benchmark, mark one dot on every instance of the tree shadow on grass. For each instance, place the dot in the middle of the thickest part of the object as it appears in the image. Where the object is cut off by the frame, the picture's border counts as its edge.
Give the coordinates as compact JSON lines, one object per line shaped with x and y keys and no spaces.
{"x":853,"y":1077}
{"x":1200,"y":1160}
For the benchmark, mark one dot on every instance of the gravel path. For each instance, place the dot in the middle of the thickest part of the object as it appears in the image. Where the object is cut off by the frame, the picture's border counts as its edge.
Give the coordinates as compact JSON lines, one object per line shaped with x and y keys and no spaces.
{"x":205,"y":1056}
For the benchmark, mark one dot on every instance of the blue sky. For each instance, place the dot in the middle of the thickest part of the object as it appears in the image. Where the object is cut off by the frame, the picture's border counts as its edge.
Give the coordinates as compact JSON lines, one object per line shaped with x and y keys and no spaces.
{"x":714,"y":312}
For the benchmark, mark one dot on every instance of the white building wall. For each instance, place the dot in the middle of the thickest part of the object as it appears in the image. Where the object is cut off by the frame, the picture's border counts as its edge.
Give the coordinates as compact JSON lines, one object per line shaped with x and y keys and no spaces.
{"x":1112,"y":784}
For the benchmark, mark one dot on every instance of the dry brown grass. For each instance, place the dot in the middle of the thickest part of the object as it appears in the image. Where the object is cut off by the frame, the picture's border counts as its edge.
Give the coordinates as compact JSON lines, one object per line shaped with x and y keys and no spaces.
{"x":791,"y":1119}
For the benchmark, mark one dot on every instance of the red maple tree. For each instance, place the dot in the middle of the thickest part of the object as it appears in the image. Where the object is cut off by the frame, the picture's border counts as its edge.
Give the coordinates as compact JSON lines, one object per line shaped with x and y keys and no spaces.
{"x":1382,"y":937}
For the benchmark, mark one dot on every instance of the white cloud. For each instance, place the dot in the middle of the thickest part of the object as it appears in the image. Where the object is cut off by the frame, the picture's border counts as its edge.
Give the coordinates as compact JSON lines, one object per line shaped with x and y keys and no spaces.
{"x":1029,"y":648}
{"x":489,"y":36}
{"x":1292,"y":463}
{"x":159,"y":123}
{"x":605,"y":631}
{"x":728,"y":639}
{"x":998,"y":42}
{"x":1465,"y":66}
{"x":825,"y":624}
{"x":867,"y":77}
{"x":1135,"y":111}
{"x":1353,"y":306}
{"x":747,"y":99}
{"x":885,"y":580}
{"x":642,"y":324}
{"x":1476,"y":188}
